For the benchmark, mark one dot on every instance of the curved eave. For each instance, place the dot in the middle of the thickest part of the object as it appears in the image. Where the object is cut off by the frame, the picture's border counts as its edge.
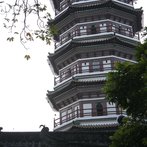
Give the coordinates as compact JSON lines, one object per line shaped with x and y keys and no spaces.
{"x":52,"y":63}
{"x":73,"y":44}
{"x":55,"y":4}
{"x":139,"y":15}
{"x":96,"y":127}
{"x":107,"y":4}
{"x":74,"y":83}
{"x":51,"y":101}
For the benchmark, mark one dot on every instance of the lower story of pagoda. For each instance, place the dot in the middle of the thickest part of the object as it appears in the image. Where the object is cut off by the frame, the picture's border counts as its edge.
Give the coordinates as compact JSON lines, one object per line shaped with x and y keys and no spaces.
{"x":98,"y":116}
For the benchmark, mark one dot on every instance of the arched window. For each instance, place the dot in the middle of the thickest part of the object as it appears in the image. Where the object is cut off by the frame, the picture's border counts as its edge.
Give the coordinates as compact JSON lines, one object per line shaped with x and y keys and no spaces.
{"x":99,"y":109}
{"x":93,"y":29}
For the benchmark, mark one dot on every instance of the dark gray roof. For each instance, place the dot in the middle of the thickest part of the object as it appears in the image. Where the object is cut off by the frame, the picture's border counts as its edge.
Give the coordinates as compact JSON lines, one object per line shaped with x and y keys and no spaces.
{"x":113,"y":39}
{"x":55,"y":3}
{"x":102,"y":4}
{"x":56,"y":139}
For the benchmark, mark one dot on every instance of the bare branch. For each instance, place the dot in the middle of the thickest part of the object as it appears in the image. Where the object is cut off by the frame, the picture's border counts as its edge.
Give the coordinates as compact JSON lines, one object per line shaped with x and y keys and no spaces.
{"x":17,"y":20}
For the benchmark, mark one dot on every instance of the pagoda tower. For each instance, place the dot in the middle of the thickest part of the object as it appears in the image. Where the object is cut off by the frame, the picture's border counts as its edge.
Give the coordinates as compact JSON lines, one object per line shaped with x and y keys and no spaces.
{"x":92,"y":36}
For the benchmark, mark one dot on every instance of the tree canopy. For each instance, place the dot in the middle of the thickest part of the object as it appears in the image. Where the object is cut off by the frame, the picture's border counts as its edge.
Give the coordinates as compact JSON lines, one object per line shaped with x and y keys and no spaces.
{"x":127,"y":87}
{"x":130,"y":135}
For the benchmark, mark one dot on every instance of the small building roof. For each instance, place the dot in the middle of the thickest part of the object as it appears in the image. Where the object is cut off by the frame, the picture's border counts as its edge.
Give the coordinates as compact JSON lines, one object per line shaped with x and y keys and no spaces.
{"x":54,"y":139}
{"x":19,"y":137}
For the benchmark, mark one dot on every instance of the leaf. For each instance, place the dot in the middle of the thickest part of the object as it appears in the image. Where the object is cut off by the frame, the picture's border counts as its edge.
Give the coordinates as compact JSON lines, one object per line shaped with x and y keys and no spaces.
{"x":29,"y":36}
{"x":27,"y":57}
{"x":7,"y":19}
{"x":10,"y":39}
{"x":5,"y":26}
{"x":37,"y":5}
{"x":16,"y":33}
{"x":14,"y":20}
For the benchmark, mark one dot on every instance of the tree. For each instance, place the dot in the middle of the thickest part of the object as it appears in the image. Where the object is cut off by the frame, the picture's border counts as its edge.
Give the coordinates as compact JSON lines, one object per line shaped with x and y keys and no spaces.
{"x":130,"y":135}
{"x":17,"y":15}
{"x":127,"y":87}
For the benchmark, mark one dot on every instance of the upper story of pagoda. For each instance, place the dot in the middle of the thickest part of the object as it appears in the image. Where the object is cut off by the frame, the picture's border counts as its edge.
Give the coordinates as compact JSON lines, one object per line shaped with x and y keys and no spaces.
{"x":64,"y":4}
{"x":90,"y":23}
{"x":77,"y":19}
{"x":93,"y":35}
{"x":60,"y":5}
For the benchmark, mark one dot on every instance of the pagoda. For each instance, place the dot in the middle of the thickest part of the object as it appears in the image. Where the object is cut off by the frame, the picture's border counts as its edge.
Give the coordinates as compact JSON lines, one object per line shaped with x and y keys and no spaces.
{"x":92,"y":36}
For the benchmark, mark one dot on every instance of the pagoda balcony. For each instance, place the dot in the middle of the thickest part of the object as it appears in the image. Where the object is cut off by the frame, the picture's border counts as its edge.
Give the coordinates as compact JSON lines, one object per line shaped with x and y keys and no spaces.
{"x":88,"y":113}
{"x":80,"y":69}
{"x":89,"y":67}
{"x":66,"y":3}
{"x":95,"y":28}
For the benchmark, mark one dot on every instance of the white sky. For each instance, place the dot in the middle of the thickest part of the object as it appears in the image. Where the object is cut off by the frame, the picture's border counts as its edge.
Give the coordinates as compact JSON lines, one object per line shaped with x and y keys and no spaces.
{"x":24,"y":84}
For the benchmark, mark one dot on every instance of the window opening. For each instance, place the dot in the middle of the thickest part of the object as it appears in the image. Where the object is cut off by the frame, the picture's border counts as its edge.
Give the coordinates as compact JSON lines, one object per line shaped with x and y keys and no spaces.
{"x":69,"y":114}
{"x":87,"y":109}
{"x":76,"y":111}
{"x":95,"y":66}
{"x":106,"y":65}
{"x":63,"y":116}
{"x":93,"y":29}
{"x":103,"y":27}
{"x":83,"y":30}
{"x":85,"y":67}
{"x":99,"y":109}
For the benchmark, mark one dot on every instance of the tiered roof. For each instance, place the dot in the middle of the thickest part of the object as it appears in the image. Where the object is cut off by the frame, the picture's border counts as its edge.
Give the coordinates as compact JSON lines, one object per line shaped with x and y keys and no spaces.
{"x":101,"y":4}
{"x":72,"y":84}
{"x":84,"y":43}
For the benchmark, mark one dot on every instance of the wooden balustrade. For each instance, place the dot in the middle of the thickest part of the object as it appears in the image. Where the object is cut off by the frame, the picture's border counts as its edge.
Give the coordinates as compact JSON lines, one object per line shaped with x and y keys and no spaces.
{"x":66,"y":3}
{"x":80,"y":69}
{"x":98,"y":30}
{"x":80,"y":113}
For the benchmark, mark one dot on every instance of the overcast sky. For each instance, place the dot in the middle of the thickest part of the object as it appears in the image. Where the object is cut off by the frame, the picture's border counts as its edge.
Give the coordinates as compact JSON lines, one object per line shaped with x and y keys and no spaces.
{"x":24,"y":84}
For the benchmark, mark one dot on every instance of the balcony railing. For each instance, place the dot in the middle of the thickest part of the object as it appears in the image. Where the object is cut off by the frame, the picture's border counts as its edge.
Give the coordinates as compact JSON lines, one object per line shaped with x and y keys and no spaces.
{"x":96,"y":28}
{"x":89,"y":66}
{"x":83,"y":69}
{"x":66,"y":3}
{"x":80,"y":113}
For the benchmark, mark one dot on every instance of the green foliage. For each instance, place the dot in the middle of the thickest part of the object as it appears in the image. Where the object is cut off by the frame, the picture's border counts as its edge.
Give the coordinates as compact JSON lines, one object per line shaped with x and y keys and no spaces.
{"x":46,"y":35}
{"x":145,"y":140}
{"x":130,"y":135}
{"x":128,"y":86}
